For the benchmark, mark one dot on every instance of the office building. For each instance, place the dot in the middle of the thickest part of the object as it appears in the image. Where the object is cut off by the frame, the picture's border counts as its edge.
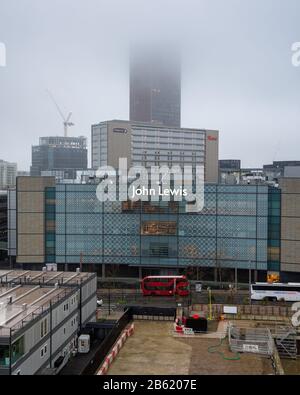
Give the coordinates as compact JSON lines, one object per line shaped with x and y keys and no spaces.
{"x":155,"y":86}
{"x":292,"y":171}
{"x":23,"y":173}
{"x":8,"y":173}
{"x":66,"y":154}
{"x":41,"y":314}
{"x":229,"y":171}
{"x":277,"y":169}
{"x":152,"y":145}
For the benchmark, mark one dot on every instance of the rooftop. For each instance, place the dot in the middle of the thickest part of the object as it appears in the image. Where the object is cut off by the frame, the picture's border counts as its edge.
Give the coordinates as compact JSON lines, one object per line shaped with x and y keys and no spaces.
{"x":152,"y":125}
{"x":42,"y":277}
{"x":26,"y":294}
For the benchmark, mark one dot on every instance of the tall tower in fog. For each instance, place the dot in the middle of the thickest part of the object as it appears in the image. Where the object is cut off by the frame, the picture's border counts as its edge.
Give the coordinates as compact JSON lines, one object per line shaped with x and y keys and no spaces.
{"x":155,"y":85}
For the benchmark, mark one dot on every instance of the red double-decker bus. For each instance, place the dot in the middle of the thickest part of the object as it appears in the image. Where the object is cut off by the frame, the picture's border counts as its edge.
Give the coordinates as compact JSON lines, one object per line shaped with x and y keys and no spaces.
{"x":165,"y":286}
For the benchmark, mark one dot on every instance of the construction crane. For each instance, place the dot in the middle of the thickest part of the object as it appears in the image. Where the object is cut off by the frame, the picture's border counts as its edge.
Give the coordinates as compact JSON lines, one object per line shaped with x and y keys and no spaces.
{"x":66,"y":120}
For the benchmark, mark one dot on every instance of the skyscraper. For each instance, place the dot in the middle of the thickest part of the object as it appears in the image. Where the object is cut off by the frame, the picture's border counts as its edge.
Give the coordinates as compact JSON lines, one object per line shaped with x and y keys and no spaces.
{"x":155,"y":86}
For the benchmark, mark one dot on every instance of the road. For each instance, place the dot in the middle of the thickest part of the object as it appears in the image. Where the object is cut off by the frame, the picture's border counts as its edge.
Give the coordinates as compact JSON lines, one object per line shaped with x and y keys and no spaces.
{"x":118,"y":298}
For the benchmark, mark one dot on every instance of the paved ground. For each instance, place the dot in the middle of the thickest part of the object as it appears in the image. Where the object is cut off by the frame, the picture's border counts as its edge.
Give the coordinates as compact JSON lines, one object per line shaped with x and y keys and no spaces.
{"x":291,"y":367}
{"x":153,"y":350}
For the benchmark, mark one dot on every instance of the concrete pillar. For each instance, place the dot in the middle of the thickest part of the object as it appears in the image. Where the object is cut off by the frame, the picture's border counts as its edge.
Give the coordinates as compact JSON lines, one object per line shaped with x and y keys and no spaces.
{"x":140,"y":273}
{"x":216,"y":274}
{"x":103,"y":270}
{"x":255,"y":276}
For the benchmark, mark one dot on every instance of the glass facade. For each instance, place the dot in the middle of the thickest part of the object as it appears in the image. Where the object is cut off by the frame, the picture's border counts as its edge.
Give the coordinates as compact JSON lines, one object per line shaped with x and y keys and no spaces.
{"x":238,"y":228}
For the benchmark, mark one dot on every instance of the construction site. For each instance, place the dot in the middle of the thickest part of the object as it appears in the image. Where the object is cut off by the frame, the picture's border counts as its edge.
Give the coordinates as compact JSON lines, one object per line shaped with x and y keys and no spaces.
{"x":235,"y":340}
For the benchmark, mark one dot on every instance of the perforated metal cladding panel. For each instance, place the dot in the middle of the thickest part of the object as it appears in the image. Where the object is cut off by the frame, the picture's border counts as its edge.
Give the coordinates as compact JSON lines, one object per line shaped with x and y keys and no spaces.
{"x":103,"y":232}
{"x":125,"y":224}
{"x":197,"y":225}
{"x":194,"y":247}
{"x":236,"y":204}
{"x":121,"y":245}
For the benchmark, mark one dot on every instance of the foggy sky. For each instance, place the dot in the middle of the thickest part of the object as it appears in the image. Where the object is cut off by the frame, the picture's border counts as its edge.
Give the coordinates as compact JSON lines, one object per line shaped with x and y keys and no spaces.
{"x":237,"y":74}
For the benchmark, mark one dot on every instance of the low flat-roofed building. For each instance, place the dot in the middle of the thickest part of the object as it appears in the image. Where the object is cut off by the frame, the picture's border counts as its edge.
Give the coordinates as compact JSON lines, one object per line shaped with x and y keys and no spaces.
{"x":41,"y":314}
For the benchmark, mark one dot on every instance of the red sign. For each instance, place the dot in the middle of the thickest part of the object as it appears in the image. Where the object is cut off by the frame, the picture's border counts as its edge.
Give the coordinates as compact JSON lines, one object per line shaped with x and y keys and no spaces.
{"x":212,"y":138}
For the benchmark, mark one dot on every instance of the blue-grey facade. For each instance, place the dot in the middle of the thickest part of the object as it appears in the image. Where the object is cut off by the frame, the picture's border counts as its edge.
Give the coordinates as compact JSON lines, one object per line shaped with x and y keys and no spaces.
{"x":239,"y":227}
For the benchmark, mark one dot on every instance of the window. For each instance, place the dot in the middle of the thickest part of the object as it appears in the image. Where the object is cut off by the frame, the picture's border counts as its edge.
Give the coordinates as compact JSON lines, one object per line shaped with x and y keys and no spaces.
{"x":159,"y":249}
{"x":43,"y":350}
{"x":17,"y":349}
{"x":44,"y":327}
{"x":4,"y":355}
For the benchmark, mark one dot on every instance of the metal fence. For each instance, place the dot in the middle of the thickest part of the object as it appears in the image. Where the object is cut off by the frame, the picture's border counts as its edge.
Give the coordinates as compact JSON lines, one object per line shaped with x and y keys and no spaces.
{"x":107,"y":344}
{"x":153,"y":313}
{"x":275,"y":313}
{"x":254,"y":340}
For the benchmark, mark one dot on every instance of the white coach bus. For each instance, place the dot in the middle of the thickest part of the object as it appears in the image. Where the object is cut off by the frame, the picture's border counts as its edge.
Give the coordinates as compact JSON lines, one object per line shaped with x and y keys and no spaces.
{"x":289,"y":292}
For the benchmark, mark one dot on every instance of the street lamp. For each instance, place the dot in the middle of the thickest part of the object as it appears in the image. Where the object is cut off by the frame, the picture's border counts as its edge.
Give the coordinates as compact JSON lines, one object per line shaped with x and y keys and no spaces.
{"x":210,"y":307}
